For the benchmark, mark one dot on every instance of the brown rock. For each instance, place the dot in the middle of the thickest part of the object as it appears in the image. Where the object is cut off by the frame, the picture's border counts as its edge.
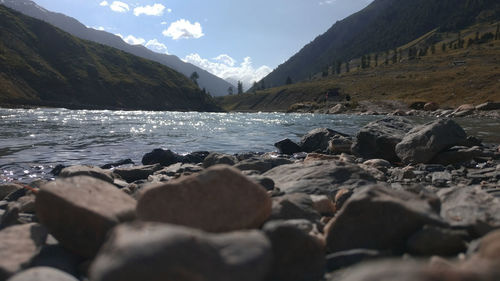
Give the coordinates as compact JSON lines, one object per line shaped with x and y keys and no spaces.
{"x":311,"y":157}
{"x":218,"y":199}
{"x":79,"y":212}
{"x":18,"y":245}
{"x":137,"y":172}
{"x":6,"y":189}
{"x":323,"y":205}
{"x":90,"y":171}
{"x":490,"y":246}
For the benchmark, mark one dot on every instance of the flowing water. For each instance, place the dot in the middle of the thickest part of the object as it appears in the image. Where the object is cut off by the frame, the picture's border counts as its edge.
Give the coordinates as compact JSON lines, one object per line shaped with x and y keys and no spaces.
{"x":33,"y":141}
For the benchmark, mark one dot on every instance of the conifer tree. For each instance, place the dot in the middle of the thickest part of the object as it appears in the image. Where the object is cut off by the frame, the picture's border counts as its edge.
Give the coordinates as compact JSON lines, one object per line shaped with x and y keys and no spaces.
{"x":347,"y":69}
{"x":240,"y":87}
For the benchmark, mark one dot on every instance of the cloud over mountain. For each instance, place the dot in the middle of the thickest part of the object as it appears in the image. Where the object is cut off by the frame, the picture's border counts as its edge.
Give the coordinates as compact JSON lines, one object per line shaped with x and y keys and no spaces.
{"x":119,"y":7}
{"x":184,"y":29}
{"x":148,"y":10}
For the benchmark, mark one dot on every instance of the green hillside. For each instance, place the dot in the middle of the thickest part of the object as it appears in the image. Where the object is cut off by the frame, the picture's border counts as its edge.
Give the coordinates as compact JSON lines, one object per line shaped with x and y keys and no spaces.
{"x":41,"y":65}
{"x":383,"y":25}
{"x":450,"y":68}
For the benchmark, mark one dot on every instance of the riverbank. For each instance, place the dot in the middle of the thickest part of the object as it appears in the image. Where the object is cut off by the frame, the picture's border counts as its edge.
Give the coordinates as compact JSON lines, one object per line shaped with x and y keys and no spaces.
{"x":401,"y":200}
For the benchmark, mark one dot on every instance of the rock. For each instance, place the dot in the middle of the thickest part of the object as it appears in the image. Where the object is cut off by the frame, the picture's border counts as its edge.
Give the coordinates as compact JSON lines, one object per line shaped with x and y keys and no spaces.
{"x":337,"y":109}
{"x":6,"y":189}
{"x":488,"y":106}
{"x":378,"y":139}
{"x":312,"y":157}
{"x":441,"y":179}
{"x":178,"y":169}
{"x":19,"y":244}
{"x":14,"y":195}
{"x":323,"y":205}
{"x":267,"y":183}
{"x":431,"y":106}
{"x":254,"y":164}
{"x":341,"y":197}
{"x":339,"y":144}
{"x":297,"y":255}
{"x":489,"y":247}
{"x":317,"y":139}
{"x":90,"y":171}
{"x":343,"y":259}
{"x":380,"y":164}
{"x":42,"y":273}
{"x":56,"y":256}
{"x":287,"y":146}
{"x":424,"y":142}
{"x":470,"y":208}
{"x":158,"y":252}
{"x":318,"y":177}
{"x":380,"y":219}
{"x":91,"y":208}
{"x":465,"y":107}
{"x":218,"y":199}
{"x":215,"y":158}
{"x":132,"y":174}
{"x":195,"y":157}
{"x":162,"y":157}
{"x":294,"y":206}
{"x":398,"y":112}
{"x":432,"y":240}
{"x":456,"y":155}
{"x":117,"y":163}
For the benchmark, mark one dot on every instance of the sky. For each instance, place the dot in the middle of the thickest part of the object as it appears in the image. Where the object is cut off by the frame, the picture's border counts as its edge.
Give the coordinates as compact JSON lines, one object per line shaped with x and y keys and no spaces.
{"x":233,"y":39}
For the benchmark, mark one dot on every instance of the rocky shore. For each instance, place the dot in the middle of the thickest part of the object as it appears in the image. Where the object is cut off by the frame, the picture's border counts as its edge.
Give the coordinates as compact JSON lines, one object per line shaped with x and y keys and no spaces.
{"x":397,"y":201}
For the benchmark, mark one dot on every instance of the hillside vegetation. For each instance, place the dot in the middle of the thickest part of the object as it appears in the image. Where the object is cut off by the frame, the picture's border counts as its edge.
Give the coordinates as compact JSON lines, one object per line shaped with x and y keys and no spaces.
{"x":383,"y":25}
{"x":44,"y":66}
{"x":465,"y":70}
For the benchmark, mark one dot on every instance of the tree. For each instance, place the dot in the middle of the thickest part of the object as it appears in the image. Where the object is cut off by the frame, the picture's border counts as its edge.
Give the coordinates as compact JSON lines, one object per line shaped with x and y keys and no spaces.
{"x":288,"y":80}
{"x":395,"y":56}
{"x":240,"y":87}
{"x":347,"y":69}
{"x":376,"y":59}
{"x":194,"y":76}
{"x":363,"y":62}
{"x":230,"y":90}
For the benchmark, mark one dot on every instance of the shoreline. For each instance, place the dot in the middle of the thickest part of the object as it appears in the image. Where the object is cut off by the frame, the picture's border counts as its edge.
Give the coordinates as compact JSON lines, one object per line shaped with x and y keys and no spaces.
{"x":421,"y":192}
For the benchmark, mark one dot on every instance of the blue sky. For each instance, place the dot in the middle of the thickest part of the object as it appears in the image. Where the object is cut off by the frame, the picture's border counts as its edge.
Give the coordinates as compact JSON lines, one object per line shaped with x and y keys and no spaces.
{"x":234,"y":39}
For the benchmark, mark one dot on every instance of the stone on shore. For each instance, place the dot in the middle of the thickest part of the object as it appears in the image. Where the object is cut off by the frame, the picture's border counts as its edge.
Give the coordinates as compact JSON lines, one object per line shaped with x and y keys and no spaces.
{"x":158,"y":252}
{"x":217,"y":199}
{"x":79,"y":212}
{"x":339,"y":144}
{"x":294,"y":206}
{"x":378,"y":139}
{"x":456,"y":155}
{"x":432,"y":240}
{"x":161,"y":156}
{"x":216,"y":158}
{"x":317,"y":139}
{"x":134,"y":173}
{"x":8,"y":188}
{"x":18,"y":245}
{"x":431,"y":106}
{"x":319,"y":177}
{"x":287,"y":146}
{"x":90,"y":171}
{"x":42,"y":273}
{"x":254,"y":164}
{"x":489,"y":247}
{"x":488,"y":106}
{"x":424,"y":142}
{"x":379,"y":218}
{"x":298,"y":256}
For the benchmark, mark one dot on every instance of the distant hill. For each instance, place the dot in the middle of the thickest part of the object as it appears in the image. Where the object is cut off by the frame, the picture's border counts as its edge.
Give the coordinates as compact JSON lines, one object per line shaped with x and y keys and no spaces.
{"x":213,"y":84}
{"x":381,"y":26}
{"x":42,"y":65}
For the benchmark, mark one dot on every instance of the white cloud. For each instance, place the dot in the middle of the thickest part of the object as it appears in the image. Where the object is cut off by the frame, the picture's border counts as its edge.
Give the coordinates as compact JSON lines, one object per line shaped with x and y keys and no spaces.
{"x":98,"y":28}
{"x":119,"y":7}
{"x":327,"y":2}
{"x":169,"y":10}
{"x":183,"y":29}
{"x":104,"y":3}
{"x":132,"y":40}
{"x":163,"y":23}
{"x":155,"y":10}
{"x":226,"y":68}
{"x":156,"y":46}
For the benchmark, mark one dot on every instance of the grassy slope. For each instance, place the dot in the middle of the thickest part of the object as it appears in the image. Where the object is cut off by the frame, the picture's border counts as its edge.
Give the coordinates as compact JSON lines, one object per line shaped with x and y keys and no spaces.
{"x":42,"y":65}
{"x":430,"y":78}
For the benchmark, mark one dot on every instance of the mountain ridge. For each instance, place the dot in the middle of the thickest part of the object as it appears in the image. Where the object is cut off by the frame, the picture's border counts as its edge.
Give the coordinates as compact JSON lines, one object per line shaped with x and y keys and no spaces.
{"x":213,"y":84}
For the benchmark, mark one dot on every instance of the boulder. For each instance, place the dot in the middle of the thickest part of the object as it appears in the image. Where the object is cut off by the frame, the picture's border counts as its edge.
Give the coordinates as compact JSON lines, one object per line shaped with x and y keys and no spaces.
{"x":79,"y":212}
{"x":424,"y":142}
{"x":380,"y":164}
{"x":254,"y":164}
{"x":489,"y":247}
{"x":19,"y":244}
{"x":432,"y":240}
{"x":132,"y":174}
{"x":195,"y":157}
{"x":441,"y":179}
{"x":456,"y":155}
{"x":215,"y":158}
{"x":158,"y":252}
{"x":339,"y":144}
{"x":90,"y":171}
{"x":317,"y":139}
{"x":56,"y":256}
{"x":319,"y":177}
{"x":379,"y":218}
{"x":298,"y":256}
{"x":488,"y":106}
{"x":287,"y":146}
{"x":431,"y":106}
{"x":294,"y":206}
{"x":323,"y":205}
{"x":162,"y":157}
{"x":470,"y":208}
{"x":378,"y":139}
{"x":42,"y":273}
{"x":117,"y":163}
{"x":8,"y":188}
{"x":217,"y":199}
{"x":337,"y":109}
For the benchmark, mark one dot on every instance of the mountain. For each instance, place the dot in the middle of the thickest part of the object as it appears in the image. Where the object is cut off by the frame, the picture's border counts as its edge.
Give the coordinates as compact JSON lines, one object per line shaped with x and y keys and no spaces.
{"x":42,"y":65}
{"x":381,"y":26}
{"x":214,"y":85}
